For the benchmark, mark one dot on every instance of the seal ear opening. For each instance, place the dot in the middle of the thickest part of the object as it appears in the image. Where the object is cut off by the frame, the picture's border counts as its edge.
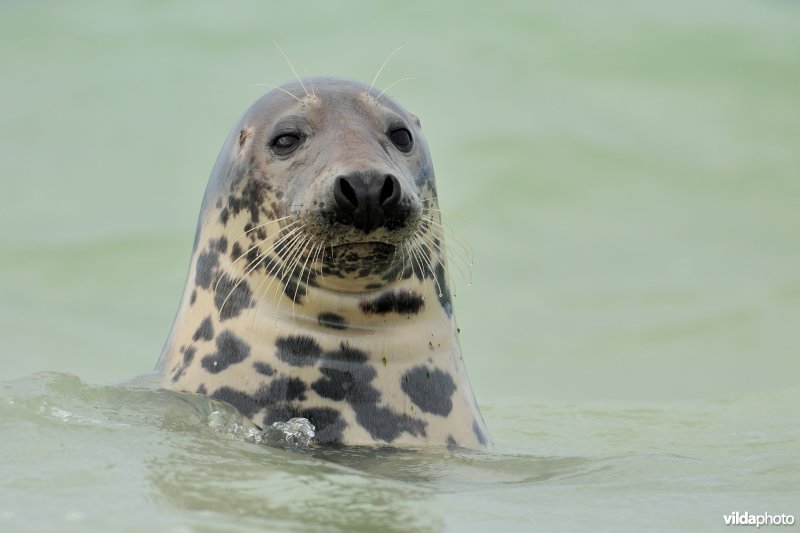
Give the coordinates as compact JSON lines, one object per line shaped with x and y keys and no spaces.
{"x":244,"y":135}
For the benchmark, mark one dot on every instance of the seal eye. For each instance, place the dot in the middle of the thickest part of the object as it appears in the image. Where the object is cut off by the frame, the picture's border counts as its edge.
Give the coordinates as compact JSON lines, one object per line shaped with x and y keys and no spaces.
{"x":401,"y":138}
{"x":285,"y":144}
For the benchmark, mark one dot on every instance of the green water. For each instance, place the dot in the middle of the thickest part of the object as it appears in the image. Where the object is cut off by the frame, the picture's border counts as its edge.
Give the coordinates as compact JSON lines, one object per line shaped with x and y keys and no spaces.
{"x":627,"y":173}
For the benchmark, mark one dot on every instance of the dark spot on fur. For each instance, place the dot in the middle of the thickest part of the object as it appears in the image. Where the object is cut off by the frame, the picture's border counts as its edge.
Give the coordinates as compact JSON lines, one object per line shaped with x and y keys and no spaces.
{"x":201,"y":389}
{"x":373,"y":286}
{"x":264,"y":368}
{"x":249,"y":199}
{"x":285,"y":389}
{"x":332,"y":320}
{"x":252,"y":256}
{"x":347,"y":354}
{"x":429,"y":389}
{"x":385,"y":424}
{"x":451,"y":443}
{"x":230,"y":351}
{"x":232,"y":297}
{"x":224,"y":215}
{"x":328,"y":424}
{"x":206,"y":269}
{"x":404,"y":302}
{"x":219,"y":245}
{"x":298,"y":350}
{"x":276,"y":397}
{"x":479,"y":434}
{"x":345,"y":377}
{"x":205,"y":331}
{"x":188,"y":356}
{"x":351,"y":382}
{"x":294,"y":290}
{"x":236,"y":251}
{"x":339,"y":384}
{"x":193,"y":297}
{"x":244,"y":403}
{"x":279,"y":413}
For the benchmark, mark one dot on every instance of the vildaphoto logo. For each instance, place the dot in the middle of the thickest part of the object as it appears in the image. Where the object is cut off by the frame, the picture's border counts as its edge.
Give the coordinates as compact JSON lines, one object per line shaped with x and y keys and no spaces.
{"x":747,"y":519}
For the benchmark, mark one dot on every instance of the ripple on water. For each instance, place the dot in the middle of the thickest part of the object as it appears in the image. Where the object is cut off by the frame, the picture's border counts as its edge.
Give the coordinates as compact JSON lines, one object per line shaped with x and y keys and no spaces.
{"x":84,"y":454}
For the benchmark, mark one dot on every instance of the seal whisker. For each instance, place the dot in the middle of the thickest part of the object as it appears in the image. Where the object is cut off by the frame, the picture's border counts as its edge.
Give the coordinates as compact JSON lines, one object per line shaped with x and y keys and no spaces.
{"x":293,"y":259}
{"x":319,"y":250}
{"x":299,"y":279}
{"x":286,"y":277}
{"x":260,"y":256}
{"x":397,"y":249}
{"x":243,"y":254}
{"x":278,"y":267}
{"x":267,"y":223}
{"x":426,"y":265}
{"x":410,"y":258}
{"x":280,"y":89}
{"x":392,"y":85}
{"x":453,"y":255}
{"x":441,"y":257}
{"x":453,"y":237}
{"x":247,"y":271}
{"x":291,"y":67}
{"x":371,"y":85}
{"x":426,"y":261}
{"x":406,"y":257}
{"x":271,"y":272}
{"x":286,"y":251}
{"x":416,"y":260}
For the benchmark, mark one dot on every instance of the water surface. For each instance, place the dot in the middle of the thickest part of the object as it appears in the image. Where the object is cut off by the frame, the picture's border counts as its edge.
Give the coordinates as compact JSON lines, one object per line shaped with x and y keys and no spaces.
{"x":626,"y":173}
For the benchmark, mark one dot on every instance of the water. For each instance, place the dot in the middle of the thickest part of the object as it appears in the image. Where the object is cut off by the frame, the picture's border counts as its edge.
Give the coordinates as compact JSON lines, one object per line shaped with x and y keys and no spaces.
{"x":189,"y":462}
{"x":626,"y":173}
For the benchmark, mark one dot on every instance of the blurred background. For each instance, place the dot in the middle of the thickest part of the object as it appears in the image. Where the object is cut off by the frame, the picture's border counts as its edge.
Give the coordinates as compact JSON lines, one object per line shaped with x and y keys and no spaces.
{"x":627,"y":173}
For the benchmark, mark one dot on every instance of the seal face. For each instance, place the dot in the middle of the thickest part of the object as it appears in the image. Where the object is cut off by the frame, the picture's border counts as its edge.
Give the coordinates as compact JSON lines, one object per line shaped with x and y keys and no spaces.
{"x":318,"y":279}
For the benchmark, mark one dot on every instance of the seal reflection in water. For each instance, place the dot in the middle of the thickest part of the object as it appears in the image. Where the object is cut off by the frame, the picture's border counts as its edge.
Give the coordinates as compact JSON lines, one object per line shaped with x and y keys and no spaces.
{"x":318,"y":282}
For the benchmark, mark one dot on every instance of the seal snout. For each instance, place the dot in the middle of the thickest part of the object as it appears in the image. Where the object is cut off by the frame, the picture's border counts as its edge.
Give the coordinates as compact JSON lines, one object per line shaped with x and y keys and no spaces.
{"x":368,"y":200}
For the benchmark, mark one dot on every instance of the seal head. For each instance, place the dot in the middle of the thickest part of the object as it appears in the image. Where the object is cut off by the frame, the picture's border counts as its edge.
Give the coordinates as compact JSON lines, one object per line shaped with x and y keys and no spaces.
{"x":318,"y":283}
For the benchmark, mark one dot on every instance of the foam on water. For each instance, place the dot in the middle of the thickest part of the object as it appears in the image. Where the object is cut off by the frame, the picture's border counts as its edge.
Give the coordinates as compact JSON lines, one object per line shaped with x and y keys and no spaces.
{"x":295,"y":432}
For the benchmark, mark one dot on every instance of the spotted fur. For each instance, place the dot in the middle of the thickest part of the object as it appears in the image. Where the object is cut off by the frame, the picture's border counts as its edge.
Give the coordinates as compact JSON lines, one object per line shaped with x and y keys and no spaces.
{"x":295,"y":306}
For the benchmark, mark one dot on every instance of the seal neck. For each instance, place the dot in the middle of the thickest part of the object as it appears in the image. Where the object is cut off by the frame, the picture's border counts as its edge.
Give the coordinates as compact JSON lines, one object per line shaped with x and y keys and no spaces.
{"x":398,"y":305}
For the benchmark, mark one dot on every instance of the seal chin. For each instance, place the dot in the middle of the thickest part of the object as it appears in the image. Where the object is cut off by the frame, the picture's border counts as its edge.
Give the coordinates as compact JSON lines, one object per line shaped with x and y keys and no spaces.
{"x":366,"y":247}
{"x":362,"y":262}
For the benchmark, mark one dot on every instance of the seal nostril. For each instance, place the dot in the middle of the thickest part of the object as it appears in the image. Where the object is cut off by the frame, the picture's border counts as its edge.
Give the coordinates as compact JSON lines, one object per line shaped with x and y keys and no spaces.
{"x":345,"y":195}
{"x":390,"y":192}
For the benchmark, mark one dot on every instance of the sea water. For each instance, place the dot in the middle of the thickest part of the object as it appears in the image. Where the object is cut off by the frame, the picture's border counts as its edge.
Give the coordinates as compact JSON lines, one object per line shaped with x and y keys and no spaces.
{"x":625,"y":172}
